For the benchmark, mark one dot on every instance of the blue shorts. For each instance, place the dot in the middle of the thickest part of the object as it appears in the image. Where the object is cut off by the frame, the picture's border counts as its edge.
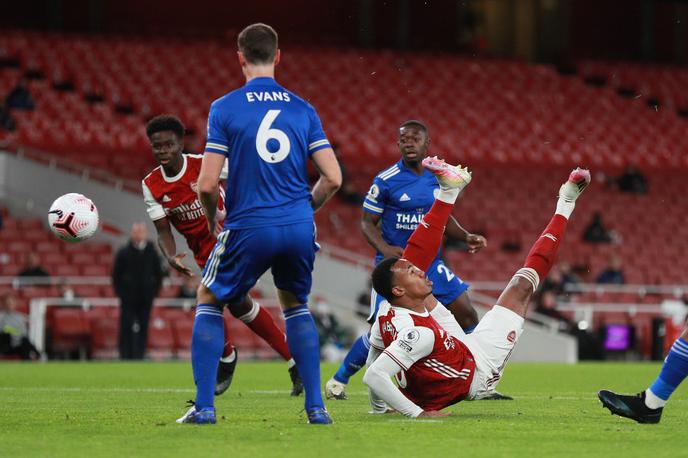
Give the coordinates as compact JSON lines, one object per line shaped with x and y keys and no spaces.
{"x":446,"y":287}
{"x":242,"y":256}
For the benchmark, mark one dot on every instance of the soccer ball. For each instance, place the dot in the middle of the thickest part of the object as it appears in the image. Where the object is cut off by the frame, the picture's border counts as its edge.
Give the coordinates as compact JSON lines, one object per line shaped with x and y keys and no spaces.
{"x":73,"y":217}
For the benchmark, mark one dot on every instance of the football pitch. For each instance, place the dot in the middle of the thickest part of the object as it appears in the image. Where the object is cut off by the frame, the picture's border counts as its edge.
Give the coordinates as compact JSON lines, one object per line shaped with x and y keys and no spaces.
{"x":127,"y":409}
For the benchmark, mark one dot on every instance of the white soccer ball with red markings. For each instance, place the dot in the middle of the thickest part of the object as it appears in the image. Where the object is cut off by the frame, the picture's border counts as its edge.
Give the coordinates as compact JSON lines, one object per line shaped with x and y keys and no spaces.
{"x":73,"y":217}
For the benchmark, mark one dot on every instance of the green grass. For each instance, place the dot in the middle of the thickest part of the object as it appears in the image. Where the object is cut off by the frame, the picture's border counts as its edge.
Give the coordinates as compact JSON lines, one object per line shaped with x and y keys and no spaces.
{"x":122,"y":410}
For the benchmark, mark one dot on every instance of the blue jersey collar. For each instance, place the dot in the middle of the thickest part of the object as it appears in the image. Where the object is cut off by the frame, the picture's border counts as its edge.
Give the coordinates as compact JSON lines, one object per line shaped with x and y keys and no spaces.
{"x":261,"y":80}
{"x":403,"y":168}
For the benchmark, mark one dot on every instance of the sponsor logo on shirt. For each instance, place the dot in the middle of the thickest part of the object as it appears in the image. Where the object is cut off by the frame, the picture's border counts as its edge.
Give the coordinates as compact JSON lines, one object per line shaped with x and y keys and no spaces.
{"x":408,"y":221}
{"x":404,"y":346}
{"x":186,"y":212}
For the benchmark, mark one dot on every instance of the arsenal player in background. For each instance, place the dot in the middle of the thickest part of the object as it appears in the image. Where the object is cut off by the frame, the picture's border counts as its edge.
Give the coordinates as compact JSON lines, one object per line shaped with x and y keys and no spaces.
{"x":170,"y":194}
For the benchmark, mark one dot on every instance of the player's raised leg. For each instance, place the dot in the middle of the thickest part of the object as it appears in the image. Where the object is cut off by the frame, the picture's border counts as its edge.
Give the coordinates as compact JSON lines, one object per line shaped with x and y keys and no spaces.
{"x":647,"y":406}
{"x":495,"y":337}
{"x":542,"y":255}
{"x":425,"y":241}
{"x":263,"y":324}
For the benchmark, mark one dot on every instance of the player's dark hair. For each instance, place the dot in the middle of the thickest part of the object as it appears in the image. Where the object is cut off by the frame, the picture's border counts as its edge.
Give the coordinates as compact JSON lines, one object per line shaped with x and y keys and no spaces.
{"x":383,"y":278}
{"x":258,"y":44}
{"x":415,"y":123}
{"x":164,"y":123}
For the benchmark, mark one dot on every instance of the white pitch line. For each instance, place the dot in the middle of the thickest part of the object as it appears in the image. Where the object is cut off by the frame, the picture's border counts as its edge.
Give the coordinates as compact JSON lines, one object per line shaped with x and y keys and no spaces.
{"x":100,"y":390}
{"x":414,"y":420}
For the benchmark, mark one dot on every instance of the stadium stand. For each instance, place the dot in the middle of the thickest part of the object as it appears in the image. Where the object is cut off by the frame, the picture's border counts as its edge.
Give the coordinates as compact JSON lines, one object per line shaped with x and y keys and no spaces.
{"x":542,"y":117}
{"x":519,"y":126}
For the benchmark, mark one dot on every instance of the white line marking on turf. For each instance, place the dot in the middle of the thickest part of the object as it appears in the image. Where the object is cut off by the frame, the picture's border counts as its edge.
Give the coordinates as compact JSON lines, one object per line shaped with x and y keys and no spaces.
{"x":414,"y":420}
{"x":101,"y":390}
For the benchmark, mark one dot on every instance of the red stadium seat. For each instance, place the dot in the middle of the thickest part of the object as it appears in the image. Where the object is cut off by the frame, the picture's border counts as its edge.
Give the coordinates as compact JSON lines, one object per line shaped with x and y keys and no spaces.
{"x":161,"y":342}
{"x":104,"y":337}
{"x":70,"y":330}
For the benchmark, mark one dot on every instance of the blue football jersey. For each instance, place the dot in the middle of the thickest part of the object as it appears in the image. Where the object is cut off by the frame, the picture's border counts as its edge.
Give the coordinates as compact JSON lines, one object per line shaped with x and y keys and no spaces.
{"x":401,"y":197}
{"x":268,"y":134}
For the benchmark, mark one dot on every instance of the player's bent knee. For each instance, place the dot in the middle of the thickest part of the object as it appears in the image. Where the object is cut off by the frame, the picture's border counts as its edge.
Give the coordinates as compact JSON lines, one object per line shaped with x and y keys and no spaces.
{"x":204,"y":295}
{"x":241,"y":308}
{"x":517,"y":295}
{"x":288,"y":299}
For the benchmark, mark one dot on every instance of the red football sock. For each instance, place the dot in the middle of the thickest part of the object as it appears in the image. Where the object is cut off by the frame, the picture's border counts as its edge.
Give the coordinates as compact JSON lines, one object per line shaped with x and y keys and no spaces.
{"x":229,"y":347}
{"x":543,"y":253}
{"x":425,"y":241}
{"x":264,"y":325}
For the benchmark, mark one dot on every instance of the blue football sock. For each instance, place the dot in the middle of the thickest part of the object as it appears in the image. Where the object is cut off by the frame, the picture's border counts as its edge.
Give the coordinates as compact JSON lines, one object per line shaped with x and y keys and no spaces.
{"x":207,"y":343}
{"x":304,"y":346}
{"x":673,"y":372}
{"x":354,"y":360}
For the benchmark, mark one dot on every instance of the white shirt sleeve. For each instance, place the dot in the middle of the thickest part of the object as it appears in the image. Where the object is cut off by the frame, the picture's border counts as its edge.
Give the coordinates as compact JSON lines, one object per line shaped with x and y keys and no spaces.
{"x":153,"y":207}
{"x":376,"y":337}
{"x":225,"y":171}
{"x":376,"y":403}
{"x":411,"y":345}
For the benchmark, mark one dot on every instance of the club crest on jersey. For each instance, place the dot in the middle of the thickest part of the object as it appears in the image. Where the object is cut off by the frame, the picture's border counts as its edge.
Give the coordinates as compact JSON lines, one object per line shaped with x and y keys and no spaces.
{"x":511,"y":337}
{"x":194,"y":186}
{"x":374,"y":192}
{"x":412,"y":336}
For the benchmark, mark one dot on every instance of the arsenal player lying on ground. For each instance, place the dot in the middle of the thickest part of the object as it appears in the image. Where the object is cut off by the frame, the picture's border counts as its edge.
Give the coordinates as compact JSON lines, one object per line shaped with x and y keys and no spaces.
{"x":416,"y":339}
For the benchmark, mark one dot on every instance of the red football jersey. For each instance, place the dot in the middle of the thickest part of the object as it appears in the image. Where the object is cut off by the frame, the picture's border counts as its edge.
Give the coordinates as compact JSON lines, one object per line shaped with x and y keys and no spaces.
{"x":441,"y":378}
{"x":175,"y":198}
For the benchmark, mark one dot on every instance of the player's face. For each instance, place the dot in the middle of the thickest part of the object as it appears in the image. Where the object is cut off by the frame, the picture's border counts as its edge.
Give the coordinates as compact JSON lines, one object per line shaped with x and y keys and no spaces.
{"x":410,"y":281}
{"x":167,"y":147}
{"x":413,"y":143}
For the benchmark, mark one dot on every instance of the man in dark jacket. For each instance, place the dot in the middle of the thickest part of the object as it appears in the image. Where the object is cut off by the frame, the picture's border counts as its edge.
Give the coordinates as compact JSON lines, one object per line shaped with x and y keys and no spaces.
{"x":136,"y":277}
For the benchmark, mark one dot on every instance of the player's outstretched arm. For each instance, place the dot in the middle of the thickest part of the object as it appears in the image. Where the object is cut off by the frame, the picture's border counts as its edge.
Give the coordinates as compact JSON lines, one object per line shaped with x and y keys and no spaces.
{"x":475,"y":242}
{"x":330,"y":177}
{"x":377,"y":378}
{"x":411,"y":345}
{"x":377,"y":405}
{"x":168,"y":246}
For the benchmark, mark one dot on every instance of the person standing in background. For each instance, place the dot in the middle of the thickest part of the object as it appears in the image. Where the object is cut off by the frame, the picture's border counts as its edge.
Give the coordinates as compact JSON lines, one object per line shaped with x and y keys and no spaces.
{"x":136,"y":277}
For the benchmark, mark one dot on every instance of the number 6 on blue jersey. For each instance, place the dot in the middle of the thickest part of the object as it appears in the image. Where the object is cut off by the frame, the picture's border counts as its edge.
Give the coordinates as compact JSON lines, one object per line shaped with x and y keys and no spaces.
{"x":265,"y":134}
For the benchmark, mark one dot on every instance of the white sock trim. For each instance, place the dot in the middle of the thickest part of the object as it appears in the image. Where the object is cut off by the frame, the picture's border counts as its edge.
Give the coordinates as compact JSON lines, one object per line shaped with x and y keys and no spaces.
{"x":291,"y":363}
{"x":653,"y":401}
{"x":230,"y":358}
{"x":252,"y":314}
{"x":448,"y":196}
{"x":565,"y":208}
{"x":529,"y":274}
